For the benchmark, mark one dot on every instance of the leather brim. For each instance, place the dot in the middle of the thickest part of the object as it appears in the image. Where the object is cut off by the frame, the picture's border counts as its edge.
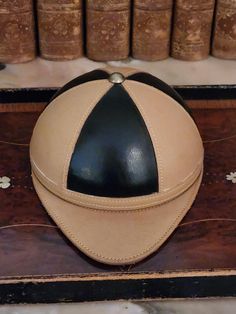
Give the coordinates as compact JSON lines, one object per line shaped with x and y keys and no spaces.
{"x":117,"y":237}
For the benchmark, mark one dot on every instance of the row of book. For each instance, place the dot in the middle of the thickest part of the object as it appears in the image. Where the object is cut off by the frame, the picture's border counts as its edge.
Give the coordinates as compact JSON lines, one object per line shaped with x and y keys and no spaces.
{"x":106,"y":30}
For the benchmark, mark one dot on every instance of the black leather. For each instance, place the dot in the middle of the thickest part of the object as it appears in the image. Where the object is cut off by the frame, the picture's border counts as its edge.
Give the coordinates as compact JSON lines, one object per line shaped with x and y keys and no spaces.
{"x":87,"y":77}
{"x":151,"y":80}
{"x":114,"y":155}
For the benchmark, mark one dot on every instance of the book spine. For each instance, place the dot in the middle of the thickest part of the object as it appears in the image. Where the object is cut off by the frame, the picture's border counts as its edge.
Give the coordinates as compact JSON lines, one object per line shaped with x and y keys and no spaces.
{"x":108,"y":29}
{"x":17,"y":35}
{"x":151,"y":29}
{"x":224,"y":37}
{"x":60,"y":29}
{"x":192,"y":29}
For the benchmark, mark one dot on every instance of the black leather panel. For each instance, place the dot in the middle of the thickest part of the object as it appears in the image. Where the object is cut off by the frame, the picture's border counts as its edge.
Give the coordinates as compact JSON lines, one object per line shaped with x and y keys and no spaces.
{"x":151,"y":80}
{"x":114,"y":155}
{"x":87,"y":77}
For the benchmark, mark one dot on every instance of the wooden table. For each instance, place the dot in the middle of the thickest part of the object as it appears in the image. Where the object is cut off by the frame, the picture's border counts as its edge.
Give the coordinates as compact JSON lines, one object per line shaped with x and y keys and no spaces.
{"x":38,"y":264}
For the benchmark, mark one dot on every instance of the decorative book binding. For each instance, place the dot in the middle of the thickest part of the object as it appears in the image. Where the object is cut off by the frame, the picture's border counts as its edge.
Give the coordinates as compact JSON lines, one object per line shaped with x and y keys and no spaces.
{"x":17,"y":37}
{"x":192,"y":29}
{"x":151,"y":29}
{"x":60,"y":29}
{"x":224,"y":38}
{"x":108,"y":29}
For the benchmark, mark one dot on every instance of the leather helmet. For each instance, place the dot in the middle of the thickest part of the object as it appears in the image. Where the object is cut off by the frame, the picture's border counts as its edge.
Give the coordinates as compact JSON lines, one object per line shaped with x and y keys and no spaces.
{"x":117,"y":161}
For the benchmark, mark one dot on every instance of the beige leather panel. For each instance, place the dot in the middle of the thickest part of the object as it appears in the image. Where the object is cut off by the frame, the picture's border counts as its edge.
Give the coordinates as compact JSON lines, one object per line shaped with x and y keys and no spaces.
{"x":117,"y":230}
{"x":177,"y":142}
{"x":117,"y":237}
{"x":53,"y":143}
{"x":112,"y":203}
{"x":123,"y":70}
{"x":58,"y":127}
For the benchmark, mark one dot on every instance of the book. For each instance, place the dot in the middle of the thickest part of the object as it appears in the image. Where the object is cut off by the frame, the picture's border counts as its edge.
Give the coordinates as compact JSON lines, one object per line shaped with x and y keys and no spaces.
{"x":192,"y":29}
{"x":224,"y":36}
{"x":151,"y":29}
{"x":60,"y":29}
{"x":17,"y":34}
{"x":108,"y":29}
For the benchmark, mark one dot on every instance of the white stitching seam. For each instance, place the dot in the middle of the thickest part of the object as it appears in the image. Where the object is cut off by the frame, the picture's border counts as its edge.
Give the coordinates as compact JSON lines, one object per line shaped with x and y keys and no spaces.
{"x":159,"y":165}
{"x":149,"y":250}
{"x":77,"y":127}
{"x":125,"y":203}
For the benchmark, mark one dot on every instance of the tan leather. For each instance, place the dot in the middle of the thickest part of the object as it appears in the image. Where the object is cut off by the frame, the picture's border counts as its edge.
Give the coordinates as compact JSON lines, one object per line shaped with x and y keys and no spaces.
{"x":58,"y":127}
{"x":117,"y":237}
{"x":106,"y":203}
{"x":167,"y":123}
{"x":117,"y":230}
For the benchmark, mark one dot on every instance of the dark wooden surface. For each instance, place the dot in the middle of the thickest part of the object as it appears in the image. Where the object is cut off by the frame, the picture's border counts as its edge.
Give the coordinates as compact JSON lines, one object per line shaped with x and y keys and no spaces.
{"x":200,"y":92}
{"x":199,"y":259}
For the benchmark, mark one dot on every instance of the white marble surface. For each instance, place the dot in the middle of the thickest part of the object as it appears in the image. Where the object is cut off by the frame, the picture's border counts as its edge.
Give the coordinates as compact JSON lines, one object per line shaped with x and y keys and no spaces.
{"x":226,"y":306}
{"x":43,"y":73}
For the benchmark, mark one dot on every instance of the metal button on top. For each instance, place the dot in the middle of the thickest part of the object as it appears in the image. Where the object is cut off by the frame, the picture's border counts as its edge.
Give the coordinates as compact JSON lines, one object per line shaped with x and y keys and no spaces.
{"x":116,"y":78}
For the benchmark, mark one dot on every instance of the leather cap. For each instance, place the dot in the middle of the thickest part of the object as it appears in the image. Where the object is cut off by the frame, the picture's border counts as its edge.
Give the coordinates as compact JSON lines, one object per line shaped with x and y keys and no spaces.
{"x":117,"y":161}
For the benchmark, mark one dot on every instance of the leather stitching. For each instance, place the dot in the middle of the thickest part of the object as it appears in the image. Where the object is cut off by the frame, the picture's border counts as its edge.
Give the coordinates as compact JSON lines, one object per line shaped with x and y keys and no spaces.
{"x":141,"y":254}
{"x":78,"y":126}
{"x":166,"y":95}
{"x":126,"y":203}
{"x":157,"y":145}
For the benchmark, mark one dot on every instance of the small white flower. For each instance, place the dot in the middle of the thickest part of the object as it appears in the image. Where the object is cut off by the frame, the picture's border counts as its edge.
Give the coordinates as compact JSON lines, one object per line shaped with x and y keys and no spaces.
{"x":5,"y":182}
{"x":231,"y":177}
